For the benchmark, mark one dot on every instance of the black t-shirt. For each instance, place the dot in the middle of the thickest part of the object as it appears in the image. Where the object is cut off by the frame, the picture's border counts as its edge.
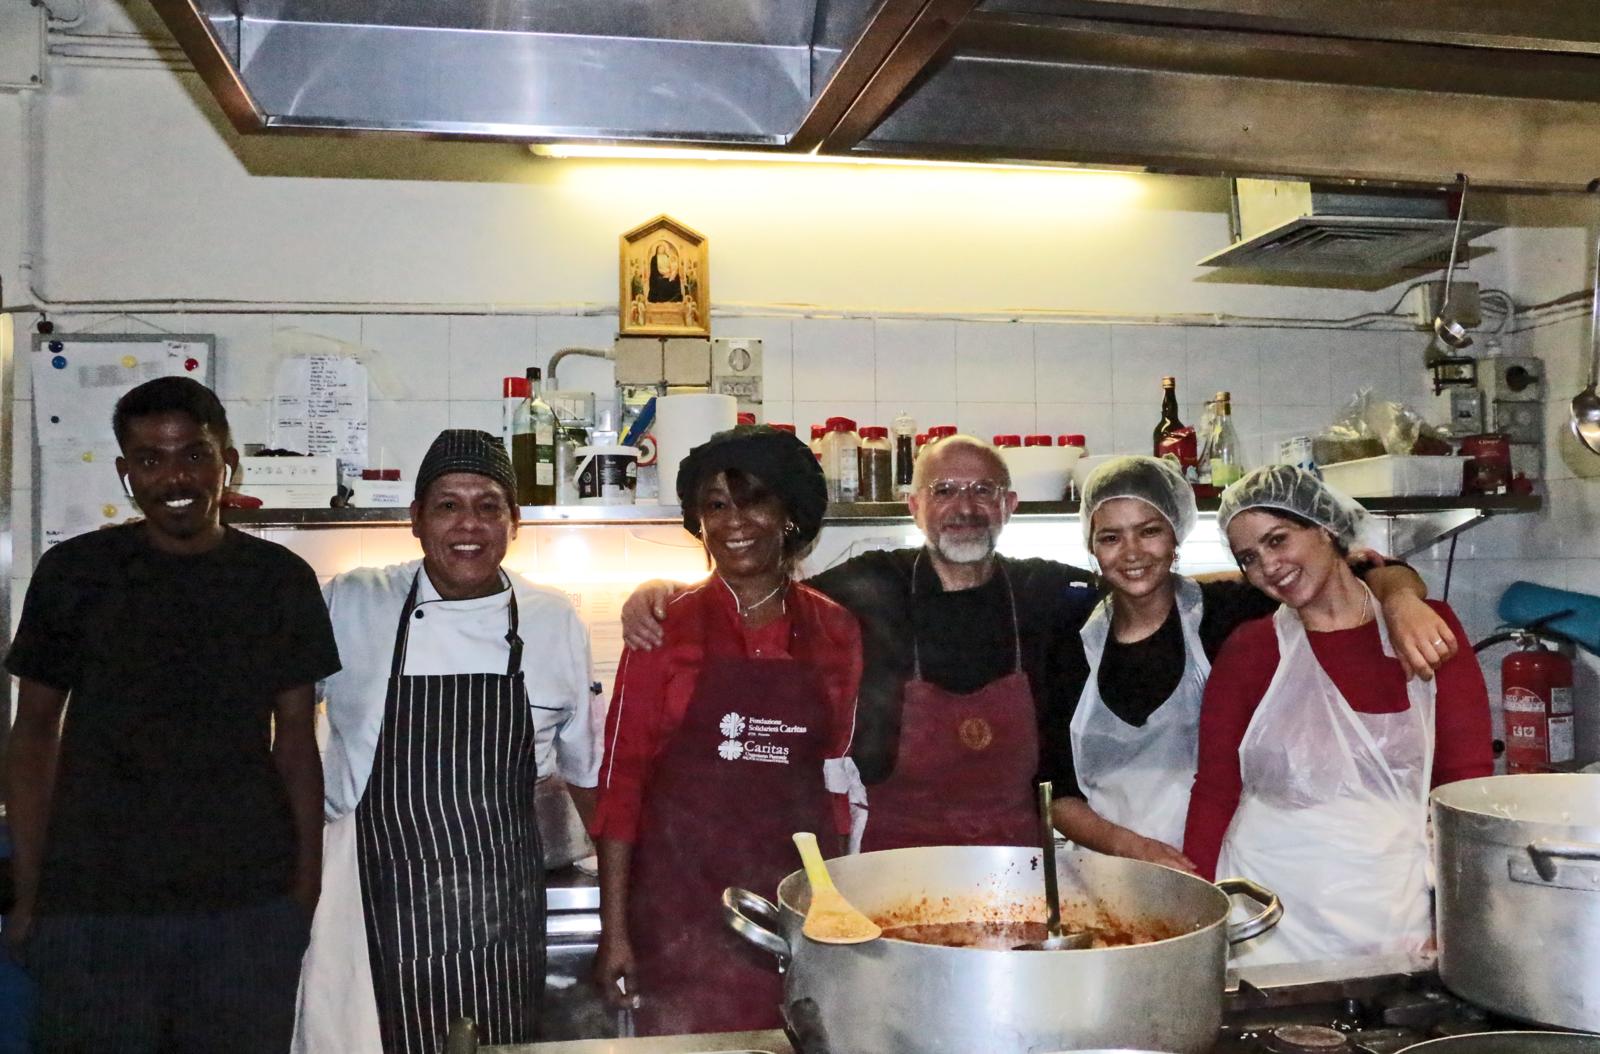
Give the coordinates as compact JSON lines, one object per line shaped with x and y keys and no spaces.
{"x":964,"y":639}
{"x":1137,"y":677}
{"x":166,"y":796}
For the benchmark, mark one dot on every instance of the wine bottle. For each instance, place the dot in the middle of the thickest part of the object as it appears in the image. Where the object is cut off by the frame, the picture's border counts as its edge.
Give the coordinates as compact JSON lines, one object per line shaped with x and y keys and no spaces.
{"x":1169,"y":422}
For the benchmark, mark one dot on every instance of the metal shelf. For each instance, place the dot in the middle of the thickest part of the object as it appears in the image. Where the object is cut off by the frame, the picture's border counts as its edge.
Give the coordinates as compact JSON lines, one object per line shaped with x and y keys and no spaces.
{"x":1472,"y":508}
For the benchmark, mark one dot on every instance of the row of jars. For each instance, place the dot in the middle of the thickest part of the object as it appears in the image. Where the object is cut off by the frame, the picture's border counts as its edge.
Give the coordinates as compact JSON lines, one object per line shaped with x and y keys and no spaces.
{"x":876,"y":463}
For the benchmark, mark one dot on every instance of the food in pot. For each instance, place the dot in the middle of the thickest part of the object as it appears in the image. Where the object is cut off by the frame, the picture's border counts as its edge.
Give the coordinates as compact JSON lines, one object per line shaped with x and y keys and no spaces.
{"x":1007,"y":935}
{"x":978,"y":922}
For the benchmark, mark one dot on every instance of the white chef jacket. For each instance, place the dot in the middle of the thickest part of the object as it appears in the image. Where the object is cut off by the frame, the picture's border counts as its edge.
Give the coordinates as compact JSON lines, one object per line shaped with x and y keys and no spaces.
{"x":337,"y":1011}
{"x":454,"y":636}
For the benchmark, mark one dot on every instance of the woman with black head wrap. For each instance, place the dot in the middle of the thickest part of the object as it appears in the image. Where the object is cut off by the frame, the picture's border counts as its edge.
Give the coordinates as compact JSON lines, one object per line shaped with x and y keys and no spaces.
{"x":717,"y":743}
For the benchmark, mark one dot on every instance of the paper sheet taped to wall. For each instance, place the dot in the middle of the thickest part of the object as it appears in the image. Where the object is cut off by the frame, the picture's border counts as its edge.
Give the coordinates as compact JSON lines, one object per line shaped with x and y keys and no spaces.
{"x":77,"y":380}
{"x":319,"y":406}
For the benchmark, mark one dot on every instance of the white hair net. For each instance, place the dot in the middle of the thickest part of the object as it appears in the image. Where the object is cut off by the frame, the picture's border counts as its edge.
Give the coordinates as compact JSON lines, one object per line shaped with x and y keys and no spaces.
{"x":1154,"y":481}
{"x":1295,"y":490}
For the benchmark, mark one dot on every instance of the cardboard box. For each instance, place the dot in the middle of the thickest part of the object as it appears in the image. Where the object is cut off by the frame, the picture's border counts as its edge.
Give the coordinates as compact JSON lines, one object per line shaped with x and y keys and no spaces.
{"x":290,"y":496}
{"x":381,"y":493}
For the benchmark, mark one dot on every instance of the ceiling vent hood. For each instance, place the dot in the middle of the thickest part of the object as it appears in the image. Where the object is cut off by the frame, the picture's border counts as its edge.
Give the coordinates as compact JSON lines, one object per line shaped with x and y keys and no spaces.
{"x":1368,"y":92}
{"x":1282,"y":225}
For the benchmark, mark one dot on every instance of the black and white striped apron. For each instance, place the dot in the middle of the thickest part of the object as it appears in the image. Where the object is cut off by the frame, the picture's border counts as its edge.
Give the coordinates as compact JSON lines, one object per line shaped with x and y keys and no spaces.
{"x":452,"y":871}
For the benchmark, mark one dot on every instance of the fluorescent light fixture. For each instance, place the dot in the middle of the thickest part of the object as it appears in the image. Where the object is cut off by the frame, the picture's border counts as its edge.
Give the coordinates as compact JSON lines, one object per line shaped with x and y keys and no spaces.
{"x":642,"y":152}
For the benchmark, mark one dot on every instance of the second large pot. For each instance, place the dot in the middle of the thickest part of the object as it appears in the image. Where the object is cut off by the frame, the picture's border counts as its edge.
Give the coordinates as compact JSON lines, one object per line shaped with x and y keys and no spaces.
{"x":1518,"y":898}
{"x":891,"y":995}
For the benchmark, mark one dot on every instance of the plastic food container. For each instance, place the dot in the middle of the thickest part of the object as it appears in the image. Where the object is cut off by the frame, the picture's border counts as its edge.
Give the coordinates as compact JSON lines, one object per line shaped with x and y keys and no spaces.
{"x":1396,"y":476}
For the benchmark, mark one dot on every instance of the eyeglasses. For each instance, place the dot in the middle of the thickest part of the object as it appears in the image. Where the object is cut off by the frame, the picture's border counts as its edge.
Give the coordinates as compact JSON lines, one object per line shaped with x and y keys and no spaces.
{"x":982,"y":491}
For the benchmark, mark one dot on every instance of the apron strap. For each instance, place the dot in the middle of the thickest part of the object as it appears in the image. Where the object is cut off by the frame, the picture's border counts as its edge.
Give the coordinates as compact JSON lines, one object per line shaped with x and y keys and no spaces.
{"x":1011,"y":601}
{"x":513,"y":638}
{"x":402,"y":631}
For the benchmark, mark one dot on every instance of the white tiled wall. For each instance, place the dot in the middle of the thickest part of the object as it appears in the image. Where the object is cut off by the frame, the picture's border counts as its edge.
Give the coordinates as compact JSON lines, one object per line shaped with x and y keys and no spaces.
{"x":431,"y":372}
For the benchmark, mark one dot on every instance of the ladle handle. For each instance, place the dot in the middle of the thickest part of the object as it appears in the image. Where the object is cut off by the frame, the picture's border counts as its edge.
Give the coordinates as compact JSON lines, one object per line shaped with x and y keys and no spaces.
{"x":1455,"y":243}
{"x":1594,"y":324}
{"x":811,"y":857}
{"x":1047,"y":841}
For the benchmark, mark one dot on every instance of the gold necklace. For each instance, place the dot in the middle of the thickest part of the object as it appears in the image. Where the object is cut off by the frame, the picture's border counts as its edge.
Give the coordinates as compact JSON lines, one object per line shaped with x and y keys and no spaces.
{"x":743,"y":609}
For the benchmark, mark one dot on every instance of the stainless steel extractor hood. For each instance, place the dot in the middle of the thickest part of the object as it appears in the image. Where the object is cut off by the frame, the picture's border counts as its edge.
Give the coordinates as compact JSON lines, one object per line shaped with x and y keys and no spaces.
{"x":1282,"y":225}
{"x":1363,"y":91}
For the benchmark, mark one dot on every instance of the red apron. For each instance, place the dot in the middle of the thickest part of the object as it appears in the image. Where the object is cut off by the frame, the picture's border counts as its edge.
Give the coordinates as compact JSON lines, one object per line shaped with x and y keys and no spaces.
{"x":742,"y":773}
{"x":965,"y":764}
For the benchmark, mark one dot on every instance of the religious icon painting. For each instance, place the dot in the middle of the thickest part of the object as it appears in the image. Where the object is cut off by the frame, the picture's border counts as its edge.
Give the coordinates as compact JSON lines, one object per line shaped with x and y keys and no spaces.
{"x":666,"y":281}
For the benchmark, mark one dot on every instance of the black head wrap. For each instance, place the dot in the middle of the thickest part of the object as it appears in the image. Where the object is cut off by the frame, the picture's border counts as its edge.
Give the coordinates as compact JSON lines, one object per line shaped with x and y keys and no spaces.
{"x":467,"y":450}
{"x":777,"y":458}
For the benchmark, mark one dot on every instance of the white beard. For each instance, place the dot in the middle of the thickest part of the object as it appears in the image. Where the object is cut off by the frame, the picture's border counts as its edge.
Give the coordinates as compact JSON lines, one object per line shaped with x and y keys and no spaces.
{"x":966,"y":552}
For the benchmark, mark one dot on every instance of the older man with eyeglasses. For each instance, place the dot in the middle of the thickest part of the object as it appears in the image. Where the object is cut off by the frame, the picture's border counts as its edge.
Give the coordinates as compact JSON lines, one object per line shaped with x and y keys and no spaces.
{"x":961,"y":648}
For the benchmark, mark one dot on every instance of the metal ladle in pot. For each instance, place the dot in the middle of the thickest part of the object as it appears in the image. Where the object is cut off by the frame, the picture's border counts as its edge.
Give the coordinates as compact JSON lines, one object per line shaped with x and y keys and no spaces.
{"x":1053,"y":940}
{"x":1445,"y":325}
{"x":1586,"y":404}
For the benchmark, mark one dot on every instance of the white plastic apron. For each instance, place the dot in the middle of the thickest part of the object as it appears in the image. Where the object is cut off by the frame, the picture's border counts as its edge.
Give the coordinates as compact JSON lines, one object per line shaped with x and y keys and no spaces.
{"x":1140,"y":777}
{"x":338,"y":1010}
{"x":1334,"y":813}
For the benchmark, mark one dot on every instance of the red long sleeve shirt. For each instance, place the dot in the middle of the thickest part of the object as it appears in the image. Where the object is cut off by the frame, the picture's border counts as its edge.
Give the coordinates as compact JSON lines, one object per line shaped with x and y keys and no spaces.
{"x":1369,"y":681}
{"x":654,"y":688}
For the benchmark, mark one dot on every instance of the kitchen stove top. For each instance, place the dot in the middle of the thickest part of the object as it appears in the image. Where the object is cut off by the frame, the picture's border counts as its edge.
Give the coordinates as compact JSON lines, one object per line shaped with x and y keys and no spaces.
{"x":1353,"y":1007}
{"x":1379,"y":1014}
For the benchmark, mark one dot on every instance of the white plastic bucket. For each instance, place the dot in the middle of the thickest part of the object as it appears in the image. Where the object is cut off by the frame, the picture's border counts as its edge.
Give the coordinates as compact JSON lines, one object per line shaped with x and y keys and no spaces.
{"x":606,"y":475}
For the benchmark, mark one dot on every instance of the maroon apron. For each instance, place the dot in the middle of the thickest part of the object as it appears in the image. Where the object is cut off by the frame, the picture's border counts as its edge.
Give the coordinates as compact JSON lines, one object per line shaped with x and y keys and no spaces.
{"x":742,"y":773}
{"x":965,"y":764}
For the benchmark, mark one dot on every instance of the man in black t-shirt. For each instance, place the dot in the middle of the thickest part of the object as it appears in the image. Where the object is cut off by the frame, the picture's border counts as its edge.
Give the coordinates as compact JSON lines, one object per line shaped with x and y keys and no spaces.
{"x":167,"y":833}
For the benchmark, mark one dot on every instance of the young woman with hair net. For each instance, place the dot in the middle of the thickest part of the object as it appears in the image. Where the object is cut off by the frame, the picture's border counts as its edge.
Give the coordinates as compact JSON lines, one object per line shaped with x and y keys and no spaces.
{"x":1149,"y":645}
{"x":1317,"y":755}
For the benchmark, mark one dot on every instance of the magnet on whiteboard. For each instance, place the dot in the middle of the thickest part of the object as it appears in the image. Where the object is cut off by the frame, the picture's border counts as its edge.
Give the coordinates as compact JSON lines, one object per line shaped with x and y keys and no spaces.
{"x":129,"y":361}
{"x":88,"y":455}
{"x":59,"y":362}
{"x":108,"y":511}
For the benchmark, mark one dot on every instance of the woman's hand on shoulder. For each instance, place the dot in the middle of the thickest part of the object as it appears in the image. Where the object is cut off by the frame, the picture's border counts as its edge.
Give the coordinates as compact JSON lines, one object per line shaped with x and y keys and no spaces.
{"x":1421,"y":637}
{"x":644,"y":611}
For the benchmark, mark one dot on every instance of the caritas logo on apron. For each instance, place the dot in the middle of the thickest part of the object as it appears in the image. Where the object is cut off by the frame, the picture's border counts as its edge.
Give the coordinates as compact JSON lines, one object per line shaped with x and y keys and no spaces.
{"x":759,"y":738}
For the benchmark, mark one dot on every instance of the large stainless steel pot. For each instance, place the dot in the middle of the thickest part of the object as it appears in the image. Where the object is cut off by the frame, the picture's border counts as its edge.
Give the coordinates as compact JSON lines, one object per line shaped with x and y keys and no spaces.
{"x":1518,"y":861}
{"x":890,"y":996}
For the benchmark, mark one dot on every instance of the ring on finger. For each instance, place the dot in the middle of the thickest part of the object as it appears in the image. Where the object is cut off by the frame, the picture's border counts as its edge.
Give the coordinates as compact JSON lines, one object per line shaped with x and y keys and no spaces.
{"x":1438,"y":642}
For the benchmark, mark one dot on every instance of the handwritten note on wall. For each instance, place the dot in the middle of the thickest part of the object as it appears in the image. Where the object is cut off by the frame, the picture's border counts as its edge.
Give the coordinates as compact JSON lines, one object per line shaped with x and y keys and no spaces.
{"x":319,"y":406}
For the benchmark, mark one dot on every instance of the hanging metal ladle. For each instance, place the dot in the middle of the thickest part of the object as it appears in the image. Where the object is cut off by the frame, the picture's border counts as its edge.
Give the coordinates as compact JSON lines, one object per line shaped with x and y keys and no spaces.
{"x":1586,"y":404}
{"x":1445,"y":325}
{"x":1054,"y":939}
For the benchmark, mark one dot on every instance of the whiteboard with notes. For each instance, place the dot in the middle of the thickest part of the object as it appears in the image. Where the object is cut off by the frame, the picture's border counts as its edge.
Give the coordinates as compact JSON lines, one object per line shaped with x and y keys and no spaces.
{"x":77,"y":380}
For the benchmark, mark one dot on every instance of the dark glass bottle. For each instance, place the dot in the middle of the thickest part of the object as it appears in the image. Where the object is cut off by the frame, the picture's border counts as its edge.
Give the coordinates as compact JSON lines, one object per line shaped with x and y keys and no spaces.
{"x":1169,"y":422}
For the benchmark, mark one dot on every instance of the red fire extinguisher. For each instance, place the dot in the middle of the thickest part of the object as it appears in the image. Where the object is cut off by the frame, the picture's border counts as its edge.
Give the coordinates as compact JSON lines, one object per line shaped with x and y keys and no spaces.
{"x":1536,"y":694}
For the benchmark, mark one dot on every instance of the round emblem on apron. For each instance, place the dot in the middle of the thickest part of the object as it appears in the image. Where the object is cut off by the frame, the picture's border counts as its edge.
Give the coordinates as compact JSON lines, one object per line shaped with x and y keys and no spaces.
{"x":975,"y":733}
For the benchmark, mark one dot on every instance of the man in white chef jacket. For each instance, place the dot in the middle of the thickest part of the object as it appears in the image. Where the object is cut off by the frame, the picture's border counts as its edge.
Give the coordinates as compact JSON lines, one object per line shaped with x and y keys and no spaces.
{"x":463,"y":684}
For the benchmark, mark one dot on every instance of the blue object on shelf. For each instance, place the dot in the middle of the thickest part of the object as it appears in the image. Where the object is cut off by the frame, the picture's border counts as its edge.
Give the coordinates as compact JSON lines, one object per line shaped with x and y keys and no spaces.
{"x":641,"y":424}
{"x":1577,"y":614}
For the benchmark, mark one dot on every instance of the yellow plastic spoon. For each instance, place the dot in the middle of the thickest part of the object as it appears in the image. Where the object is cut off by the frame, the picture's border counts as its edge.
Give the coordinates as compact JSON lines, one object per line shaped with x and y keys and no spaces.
{"x":831,"y":919}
